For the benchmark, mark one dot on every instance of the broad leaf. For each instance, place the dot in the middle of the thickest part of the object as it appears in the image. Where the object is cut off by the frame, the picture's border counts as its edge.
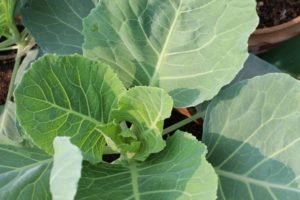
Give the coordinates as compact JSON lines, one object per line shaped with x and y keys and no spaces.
{"x":6,"y":17}
{"x":178,"y":172}
{"x":252,"y":133}
{"x":189,"y":48}
{"x":56,"y":25}
{"x":68,"y":96}
{"x":146,"y":108}
{"x":66,"y":170}
{"x":24,"y":174}
{"x":9,"y":133}
{"x":254,"y":66}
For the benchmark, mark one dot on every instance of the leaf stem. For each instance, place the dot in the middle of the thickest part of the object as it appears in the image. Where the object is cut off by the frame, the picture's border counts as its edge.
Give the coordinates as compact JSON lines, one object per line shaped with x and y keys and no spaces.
{"x":21,"y":51}
{"x":9,"y":48}
{"x":6,"y":43}
{"x":15,"y":33}
{"x":24,"y":34}
{"x":14,"y":74}
{"x":134,"y":178}
{"x":181,"y":123}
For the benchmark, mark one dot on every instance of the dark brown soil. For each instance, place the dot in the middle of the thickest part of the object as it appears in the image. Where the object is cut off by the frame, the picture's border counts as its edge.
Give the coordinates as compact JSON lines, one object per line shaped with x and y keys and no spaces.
{"x":6,"y":67}
{"x":275,"y":12}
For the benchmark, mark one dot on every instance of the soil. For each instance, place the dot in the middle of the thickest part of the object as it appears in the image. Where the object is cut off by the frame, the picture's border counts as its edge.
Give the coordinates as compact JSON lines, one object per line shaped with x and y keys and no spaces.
{"x":6,"y":67}
{"x":275,"y":12}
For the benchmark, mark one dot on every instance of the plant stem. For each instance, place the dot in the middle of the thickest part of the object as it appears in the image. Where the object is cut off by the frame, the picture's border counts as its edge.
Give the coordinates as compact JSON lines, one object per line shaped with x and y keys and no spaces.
{"x":27,"y":44}
{"x":14,"y":74}
{"x":6,"y":43}
{"x":21,"y":51}
{"x":9,"y":48}
{"x":16,"y":34}
{"x":24,"y":34}
{"x":181,"y":123}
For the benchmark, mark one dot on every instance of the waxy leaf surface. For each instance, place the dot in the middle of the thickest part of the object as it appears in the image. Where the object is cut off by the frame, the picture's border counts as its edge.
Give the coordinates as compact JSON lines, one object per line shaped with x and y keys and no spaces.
{"x":68,"y":96}
{"x":146,"y":108}
{"x":66,"y":170}
{"x":252,"y":134}
{"x":56,"y":25}
{"x":189,"y":48}
{"x":24,"y":174}
{"x":179,"y":172}
{"x":254,"y":66}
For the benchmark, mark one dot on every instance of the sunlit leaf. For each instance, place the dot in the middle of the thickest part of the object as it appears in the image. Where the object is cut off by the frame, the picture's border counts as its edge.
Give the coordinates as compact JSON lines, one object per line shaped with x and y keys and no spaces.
{"x":68,"y":96}
{"x":189,"y":48}
{"x":179,"y":172}
{"x":252,"y":134}
{"x":66,"y":170}
{"x":146,"y":108}
{"x":24,"y":174}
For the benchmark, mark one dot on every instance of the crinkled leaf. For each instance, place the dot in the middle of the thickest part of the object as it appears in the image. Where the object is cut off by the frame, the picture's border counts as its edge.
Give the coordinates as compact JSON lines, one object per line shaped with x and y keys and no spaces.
{"x":126,"y":143}
{"x":24,"y":174}
{"x":68,"y":96}
{"x":66,"y":170}
{"x":56,"y":25}
{"x":6,"y":16}
{"x":146,"y":108}
{"x":252,"y":133}
{"x":9,"y":133}
{"x":190,"y":48}
{"x":179,"y":172}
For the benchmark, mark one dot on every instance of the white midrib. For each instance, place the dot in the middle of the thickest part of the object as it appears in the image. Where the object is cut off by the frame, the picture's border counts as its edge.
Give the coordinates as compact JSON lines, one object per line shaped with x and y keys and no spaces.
{"x":247,"y":180}
{"x":165,"y":47}
{"x":134,"y":179}
{"x":4,"y":118}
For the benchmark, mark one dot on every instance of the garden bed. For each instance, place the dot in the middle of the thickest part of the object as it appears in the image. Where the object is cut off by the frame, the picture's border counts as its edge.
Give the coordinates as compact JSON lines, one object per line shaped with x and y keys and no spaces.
{"x":275,"y":12}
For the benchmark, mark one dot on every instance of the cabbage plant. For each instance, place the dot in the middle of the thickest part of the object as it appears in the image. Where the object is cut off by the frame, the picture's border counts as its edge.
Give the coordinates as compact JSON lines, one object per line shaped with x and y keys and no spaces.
{"x":109,"y":74}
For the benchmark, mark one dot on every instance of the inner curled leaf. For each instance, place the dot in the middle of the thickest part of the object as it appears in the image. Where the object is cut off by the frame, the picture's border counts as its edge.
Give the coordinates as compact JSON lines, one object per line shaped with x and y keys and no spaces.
{"x":146,"y":108}
{"x":6,"y":17}
{"x":125,"y":142}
